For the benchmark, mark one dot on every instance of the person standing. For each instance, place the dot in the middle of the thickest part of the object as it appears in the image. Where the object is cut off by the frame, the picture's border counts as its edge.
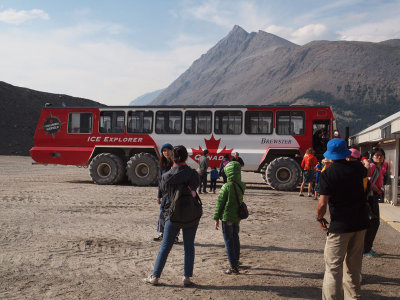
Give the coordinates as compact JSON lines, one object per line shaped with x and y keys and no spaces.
{"x":318,"y":169}
{"x":237,"y":158}
{"x":377,"y":171}
{"x":308,"y":164}
{"x":165,"y":164}
{"x":180,"y":174}
{"x":227,"y":210}
{"x":203,"y":166}
{"x":213,"y":179}
{"x":341,"y":186}
{"x":224,"y":162}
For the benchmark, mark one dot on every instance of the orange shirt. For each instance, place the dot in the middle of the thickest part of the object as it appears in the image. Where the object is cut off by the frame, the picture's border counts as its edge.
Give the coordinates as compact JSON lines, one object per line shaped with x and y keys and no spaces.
{"x":309,"y":162}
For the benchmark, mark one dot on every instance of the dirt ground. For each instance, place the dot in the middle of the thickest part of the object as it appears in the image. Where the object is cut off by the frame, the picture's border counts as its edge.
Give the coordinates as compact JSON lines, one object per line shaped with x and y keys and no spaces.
{"x":63,"y":237}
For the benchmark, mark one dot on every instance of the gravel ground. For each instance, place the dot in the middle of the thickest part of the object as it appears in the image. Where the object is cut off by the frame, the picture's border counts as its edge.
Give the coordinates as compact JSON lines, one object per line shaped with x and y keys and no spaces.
{"x":63,"y":237}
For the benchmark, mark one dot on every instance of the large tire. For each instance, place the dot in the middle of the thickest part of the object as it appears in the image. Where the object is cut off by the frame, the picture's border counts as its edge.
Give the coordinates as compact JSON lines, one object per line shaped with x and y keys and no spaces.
{"x":107,"y":168}
{"x":142,"y":169}
{"x":283,"y":174}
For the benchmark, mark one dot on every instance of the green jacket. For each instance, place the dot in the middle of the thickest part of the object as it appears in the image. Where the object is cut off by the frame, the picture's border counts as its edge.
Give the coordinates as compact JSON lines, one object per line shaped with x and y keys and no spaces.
{"x":227,"y":208}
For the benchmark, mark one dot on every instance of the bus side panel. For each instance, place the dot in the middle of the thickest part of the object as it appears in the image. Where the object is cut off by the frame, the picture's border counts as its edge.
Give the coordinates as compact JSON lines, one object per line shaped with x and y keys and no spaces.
{"x":77,"y":156}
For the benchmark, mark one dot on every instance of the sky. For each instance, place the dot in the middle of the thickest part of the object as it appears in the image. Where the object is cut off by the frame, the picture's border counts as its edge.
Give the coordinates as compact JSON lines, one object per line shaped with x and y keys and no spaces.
{"x":113,"y":51}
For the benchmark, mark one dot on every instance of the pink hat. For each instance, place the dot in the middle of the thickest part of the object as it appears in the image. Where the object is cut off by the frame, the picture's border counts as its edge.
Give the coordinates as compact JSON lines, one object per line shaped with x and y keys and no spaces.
{"x":354,"y":153}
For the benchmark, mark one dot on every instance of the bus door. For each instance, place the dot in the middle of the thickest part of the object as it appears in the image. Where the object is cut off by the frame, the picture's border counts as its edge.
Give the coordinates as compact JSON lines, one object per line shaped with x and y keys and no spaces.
{"x":321,"y":135}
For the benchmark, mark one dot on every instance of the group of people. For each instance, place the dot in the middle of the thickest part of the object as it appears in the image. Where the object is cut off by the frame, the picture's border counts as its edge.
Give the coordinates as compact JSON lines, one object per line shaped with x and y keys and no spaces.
{"x":351,"y":187}
{"x":175,"y":172}
{"x":214,"y":173}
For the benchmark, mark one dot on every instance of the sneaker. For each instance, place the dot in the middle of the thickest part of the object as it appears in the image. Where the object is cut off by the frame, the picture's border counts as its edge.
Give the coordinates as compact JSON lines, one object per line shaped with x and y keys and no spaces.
{"x":199,"y":192}
{"x":230,"y":271}
{"x":301,"y":195}
{"x":151,"y":280}
{"x":205,"y":192}
{"x":159,"y":238}
{"x":214,"y":191}
{"x":309,"y":195}
{"x":187,"y":282}
{"x":371,"y":253}
{"x":176,"y":240}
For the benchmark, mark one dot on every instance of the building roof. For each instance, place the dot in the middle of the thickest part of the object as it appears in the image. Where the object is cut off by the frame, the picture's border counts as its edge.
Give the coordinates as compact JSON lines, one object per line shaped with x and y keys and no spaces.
{"x":376,"y":132}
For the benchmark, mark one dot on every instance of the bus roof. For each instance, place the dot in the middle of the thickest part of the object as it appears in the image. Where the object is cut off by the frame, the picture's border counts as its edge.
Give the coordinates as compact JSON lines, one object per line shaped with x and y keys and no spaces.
{"x":191,"y":106}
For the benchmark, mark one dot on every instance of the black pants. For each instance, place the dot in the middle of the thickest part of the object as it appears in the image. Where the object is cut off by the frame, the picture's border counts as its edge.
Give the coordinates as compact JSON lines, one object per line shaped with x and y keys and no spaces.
{"x":374,"y":223}
{"x":203,"y":182}
{"x":213,"y":184}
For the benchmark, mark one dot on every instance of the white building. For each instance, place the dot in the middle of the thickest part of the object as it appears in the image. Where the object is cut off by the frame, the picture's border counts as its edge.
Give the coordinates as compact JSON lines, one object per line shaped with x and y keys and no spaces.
{"x":384,"y":134}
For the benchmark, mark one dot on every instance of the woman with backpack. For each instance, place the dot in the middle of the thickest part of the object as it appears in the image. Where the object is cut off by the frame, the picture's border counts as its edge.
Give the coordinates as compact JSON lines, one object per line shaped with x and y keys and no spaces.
{"x":180,"y":176}
{"x":227,"y":210}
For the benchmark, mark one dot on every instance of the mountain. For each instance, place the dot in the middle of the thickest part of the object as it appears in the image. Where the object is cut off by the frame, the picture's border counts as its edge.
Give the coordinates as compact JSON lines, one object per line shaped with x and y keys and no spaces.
{"x":146,"y":98}
{"x":261,"y":68}
{"x":19,"y":113}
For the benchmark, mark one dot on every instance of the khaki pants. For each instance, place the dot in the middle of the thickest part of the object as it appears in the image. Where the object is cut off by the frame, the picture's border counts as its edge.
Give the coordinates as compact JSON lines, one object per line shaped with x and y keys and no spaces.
{"x":343,"y":259}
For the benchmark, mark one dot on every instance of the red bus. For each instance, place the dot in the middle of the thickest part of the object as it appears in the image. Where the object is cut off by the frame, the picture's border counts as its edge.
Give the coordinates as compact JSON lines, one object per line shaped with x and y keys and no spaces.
{"x":116,"y":142}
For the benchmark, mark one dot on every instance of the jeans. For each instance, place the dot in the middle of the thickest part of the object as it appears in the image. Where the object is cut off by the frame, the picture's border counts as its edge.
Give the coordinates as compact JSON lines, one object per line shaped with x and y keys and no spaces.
{"x":343,"y":260}
{"x":170,"y":232}
{"x":232,"y":243}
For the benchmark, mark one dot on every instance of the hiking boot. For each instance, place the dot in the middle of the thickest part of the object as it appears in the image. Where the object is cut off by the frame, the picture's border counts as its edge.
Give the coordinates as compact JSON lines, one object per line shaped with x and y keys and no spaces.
{"x":230,"y":271}
{"x":151,"y":280}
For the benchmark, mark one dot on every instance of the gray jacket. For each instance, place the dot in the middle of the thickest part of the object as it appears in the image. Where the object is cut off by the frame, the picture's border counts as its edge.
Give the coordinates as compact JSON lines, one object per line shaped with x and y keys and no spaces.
{"x":203,"y":163}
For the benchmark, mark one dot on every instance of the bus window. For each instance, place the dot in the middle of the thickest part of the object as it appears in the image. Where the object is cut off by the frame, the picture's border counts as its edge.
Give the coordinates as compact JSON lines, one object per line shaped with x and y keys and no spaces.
{"x":228,"y":122}
{"x":198,"y":122}
{"x":112,"y":122}
{"x":168,"y":122}
{"x":80,"y":123}
{"x":258,"y":122}
{"x":290,"y":122}
{"x":140,"y":121}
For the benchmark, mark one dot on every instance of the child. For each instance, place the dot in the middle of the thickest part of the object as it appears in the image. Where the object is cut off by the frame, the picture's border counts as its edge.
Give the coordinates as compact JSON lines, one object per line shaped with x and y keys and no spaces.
{"x":227,"y":210}
{"x":308,"y":163}
{"x":213,"y":179}
{"x":318,"y":169}
{"x":327,"y":163}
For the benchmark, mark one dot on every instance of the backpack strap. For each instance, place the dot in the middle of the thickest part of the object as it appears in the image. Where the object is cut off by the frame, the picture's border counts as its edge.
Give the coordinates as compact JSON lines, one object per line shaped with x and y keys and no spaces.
{"x":236,"y":193}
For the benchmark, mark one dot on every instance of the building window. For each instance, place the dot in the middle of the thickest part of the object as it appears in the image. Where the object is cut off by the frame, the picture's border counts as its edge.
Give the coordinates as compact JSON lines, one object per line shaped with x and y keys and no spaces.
{"x":140,"y":121}
{"x":258,"y":122}
{"x":80,"y":123}
{"x":228,"y":122}
{"x":168,"y":122}
{"x":112,"y":122}
{"x":198,"y":122}
{"x":290,"y":122}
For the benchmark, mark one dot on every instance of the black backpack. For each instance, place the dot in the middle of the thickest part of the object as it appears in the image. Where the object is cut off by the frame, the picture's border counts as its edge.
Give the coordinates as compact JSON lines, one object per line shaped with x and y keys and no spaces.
{"x":185,"y":210}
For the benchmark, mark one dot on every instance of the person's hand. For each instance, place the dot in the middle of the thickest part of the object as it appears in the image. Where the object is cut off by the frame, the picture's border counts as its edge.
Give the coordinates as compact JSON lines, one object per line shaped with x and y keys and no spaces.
{"x":323,"y":223}
{"x":159,"y":201}
{"x":216,"y":224}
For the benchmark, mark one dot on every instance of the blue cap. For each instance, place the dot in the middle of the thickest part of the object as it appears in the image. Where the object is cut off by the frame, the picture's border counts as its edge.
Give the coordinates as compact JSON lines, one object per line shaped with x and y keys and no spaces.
{"x":337,"y":149}
{"x":166,"y":145}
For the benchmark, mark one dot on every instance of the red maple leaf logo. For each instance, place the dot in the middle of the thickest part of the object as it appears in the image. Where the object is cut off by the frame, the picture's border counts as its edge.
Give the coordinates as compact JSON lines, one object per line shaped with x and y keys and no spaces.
{"x":213,"y":155}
